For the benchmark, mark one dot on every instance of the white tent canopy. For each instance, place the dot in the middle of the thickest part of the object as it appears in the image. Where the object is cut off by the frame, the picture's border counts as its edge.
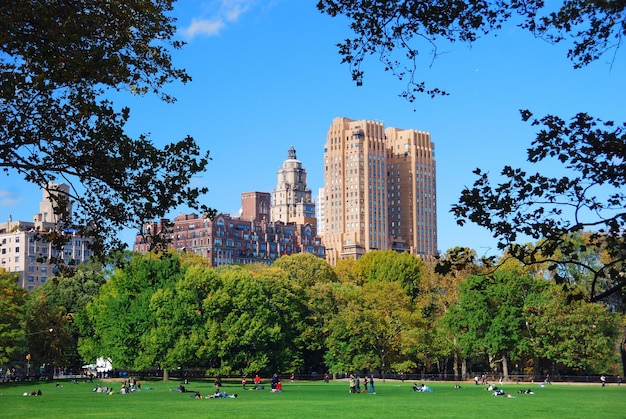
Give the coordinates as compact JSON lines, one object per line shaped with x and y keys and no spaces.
{"x":103,"y":365}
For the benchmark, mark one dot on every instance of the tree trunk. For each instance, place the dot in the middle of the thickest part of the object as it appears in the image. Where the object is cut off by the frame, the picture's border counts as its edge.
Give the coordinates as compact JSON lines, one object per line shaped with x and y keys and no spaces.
{"x":505,"y":367}
{"x":623,"y":351}
{"x":455,"y":365}
{"x":464,"y":369}
{"x":166,"y":375}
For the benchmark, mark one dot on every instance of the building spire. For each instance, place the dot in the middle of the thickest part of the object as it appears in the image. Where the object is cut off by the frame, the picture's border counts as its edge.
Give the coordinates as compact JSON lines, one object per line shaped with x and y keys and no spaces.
{"x":291,"y":154}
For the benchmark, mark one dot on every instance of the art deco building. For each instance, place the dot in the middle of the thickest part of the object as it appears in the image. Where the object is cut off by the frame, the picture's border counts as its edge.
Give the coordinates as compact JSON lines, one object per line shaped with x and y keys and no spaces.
{"x":291,"y":200}
{"x":26,"y":248}
{"x":379,"y":190}
{"x":319,"y":211}
{"x":411,"y":192}
{"x":355,"y":196}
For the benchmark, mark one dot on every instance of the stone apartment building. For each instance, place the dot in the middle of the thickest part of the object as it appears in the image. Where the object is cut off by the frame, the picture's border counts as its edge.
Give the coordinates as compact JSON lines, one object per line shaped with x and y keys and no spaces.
{"x":26,"y":251}
{"x":263,"y":231}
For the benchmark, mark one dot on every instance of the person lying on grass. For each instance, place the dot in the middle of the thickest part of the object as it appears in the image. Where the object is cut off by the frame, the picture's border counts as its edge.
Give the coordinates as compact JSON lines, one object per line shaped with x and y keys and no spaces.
{"x":221,"y":395}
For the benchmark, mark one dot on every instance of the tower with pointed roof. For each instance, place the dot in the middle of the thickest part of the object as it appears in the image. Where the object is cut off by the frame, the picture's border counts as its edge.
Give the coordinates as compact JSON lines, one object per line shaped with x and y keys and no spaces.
{"x":291,"y":200}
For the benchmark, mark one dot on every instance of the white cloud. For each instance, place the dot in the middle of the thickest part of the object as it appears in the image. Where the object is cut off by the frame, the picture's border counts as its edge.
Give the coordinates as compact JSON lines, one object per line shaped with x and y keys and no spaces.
{"x":234,"y":8}
{"x":202,"y":27}
{"x":219,"y":13}
{"x":8,"y":198}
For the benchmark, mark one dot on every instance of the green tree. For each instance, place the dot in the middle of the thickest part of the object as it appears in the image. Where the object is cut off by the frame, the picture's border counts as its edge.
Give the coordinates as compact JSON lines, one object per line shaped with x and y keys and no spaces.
{"x":343,"y":269}
{"x":489,"y":318}
{"x":250,"y":324}
{"x":345,"y":342}
{"x":306,"y":269}
{"x":176,"y":337}
{"x":438,"y":293}
{"x":120,"y":315}
{"x":58,"y":61}
{"x":58,"y":305}
{"x":50,"y":339}
{"x":570,"y":332}
{"x":553,"y":210}
{"x":12,"y":332}
{"x":377,"y":327}
{"x":317,"y":280}
{"x":388,"y":265}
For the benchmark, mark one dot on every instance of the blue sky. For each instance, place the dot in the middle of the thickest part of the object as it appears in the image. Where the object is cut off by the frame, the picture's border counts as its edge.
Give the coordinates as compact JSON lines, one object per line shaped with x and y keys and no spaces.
{"x":267,"y":75}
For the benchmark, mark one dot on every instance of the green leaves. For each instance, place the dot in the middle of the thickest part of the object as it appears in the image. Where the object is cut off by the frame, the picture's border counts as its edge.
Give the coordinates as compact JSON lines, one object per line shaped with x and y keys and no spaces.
{"x":571,"y":332}
{"x":57,"y":63}
{"x":12,"y":333}
{"x":386,"y":28}
{"x":550,"y":209}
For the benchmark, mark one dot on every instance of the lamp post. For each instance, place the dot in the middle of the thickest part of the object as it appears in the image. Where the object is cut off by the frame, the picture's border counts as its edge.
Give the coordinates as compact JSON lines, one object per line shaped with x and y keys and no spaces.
{"x":27,"y":366}
{"x":28,"y":356}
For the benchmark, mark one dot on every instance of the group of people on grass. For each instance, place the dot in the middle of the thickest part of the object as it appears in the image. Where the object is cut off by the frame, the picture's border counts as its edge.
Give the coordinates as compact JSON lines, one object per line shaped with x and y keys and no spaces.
{"x":276,"y":386}
{"x":32,"y":393}
{"x":126,"y":387}
{"x":355,"y":384}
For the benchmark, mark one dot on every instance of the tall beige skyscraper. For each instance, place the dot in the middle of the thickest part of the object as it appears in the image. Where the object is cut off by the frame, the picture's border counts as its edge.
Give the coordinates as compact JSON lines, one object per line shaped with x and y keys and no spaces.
{"x":291,"y":200}
{"x":379,"y":190}
{"x":355,"y":198}
{"x":411,"y":191}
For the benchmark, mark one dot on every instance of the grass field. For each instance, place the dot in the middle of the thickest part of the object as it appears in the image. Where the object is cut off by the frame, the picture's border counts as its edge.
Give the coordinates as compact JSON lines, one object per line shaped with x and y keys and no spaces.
{"x":312,"y":400}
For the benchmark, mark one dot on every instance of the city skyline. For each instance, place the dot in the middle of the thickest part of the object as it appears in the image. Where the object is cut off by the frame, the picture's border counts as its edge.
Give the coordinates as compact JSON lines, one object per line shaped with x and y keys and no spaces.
{"x":267,"y":76}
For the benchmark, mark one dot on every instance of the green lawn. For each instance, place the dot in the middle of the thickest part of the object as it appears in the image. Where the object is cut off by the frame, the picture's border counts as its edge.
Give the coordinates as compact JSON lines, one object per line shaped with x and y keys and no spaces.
{"x":313,"y":400}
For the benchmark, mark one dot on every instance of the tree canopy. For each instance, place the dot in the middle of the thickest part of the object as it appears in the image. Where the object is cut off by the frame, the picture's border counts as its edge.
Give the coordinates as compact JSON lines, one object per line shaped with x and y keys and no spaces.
{"x":12,"y":334}
{"x":173,"y":312}
{"x":399,"y":32}
{"x":566,"y":329}
{"x":58,"y":60}
{"x":552,"y":210}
